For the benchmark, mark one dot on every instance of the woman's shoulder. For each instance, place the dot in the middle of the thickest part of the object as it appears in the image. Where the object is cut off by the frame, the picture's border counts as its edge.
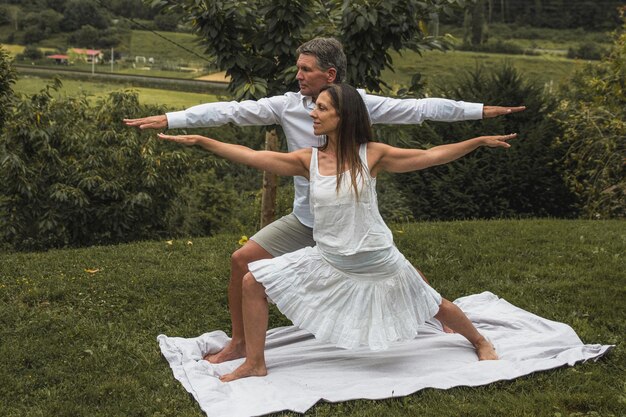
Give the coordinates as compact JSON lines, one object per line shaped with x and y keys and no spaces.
{"x":304,"y":154}
{"x":376,"y":147}
{"x":304,"y":151}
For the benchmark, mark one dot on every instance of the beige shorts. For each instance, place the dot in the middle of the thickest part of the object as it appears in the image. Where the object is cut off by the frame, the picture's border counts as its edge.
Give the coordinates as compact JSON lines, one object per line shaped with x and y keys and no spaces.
{"x":284,"y":235}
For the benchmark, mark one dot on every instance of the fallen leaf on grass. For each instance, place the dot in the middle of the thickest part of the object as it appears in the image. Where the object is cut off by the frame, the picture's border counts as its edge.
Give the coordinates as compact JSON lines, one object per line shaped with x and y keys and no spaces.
{"x":92,"y":271}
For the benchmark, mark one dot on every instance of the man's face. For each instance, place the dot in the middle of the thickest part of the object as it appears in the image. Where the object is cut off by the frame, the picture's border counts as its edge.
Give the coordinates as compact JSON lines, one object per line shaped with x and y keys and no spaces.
{"x":310,"y":77}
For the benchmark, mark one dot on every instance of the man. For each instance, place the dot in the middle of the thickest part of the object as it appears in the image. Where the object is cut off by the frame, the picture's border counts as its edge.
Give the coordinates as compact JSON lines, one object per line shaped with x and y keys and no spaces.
{"x":320,"y":61}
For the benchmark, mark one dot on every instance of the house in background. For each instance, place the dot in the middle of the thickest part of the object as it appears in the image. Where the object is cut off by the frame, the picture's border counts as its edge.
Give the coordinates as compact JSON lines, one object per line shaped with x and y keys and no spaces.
{"x":59,"y":59}
{"x":85,"y":55}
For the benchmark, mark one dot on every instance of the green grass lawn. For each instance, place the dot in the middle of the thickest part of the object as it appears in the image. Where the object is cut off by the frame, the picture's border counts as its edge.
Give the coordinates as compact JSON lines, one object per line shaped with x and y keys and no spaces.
{"x":174,"y":100}
{"x":78,"y":326}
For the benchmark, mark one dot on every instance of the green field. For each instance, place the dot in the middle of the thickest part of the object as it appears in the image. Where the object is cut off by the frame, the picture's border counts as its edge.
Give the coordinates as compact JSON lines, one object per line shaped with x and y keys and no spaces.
{"x":94,"y":90}
{"x":441,"y":68}
{"x":437,"y":68}
{"x":78,"y":326}
{"x":147,"y":44}
{"x":540,"y":38}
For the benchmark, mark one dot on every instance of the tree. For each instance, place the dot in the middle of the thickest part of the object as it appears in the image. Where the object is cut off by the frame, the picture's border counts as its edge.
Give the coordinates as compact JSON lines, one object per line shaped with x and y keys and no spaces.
{"x":477,"y":23}
{"x":255,"y":41}
{"x":83,"y":12}
{"x":90,"y":37}
{"x":14,"y":12}
{"x":47,"y":21}
{"x":131,"y":9}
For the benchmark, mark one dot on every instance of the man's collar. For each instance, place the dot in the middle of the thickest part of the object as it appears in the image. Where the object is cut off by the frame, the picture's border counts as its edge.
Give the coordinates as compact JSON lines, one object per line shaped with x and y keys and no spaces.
{"x":307,"y":101}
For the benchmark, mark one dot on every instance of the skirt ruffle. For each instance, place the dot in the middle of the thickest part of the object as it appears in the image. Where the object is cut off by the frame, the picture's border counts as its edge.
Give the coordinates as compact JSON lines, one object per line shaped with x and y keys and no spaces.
{"x":372,"y":298}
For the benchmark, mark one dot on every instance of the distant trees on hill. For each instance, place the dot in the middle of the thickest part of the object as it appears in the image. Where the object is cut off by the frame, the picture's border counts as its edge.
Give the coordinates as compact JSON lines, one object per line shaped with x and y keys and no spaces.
{"x":126,"y":8}
{"x":89,"y":23}
{"x":556,"y":14}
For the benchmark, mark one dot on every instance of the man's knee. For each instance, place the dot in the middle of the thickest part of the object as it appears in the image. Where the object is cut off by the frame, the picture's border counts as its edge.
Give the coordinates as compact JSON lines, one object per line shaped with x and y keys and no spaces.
{"x":242,"y":257}
{"x":250,"y":252}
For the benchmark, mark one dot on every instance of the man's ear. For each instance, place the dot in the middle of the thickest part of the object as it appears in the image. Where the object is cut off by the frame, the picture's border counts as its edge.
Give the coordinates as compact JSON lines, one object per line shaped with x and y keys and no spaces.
{"x":331,"y":75}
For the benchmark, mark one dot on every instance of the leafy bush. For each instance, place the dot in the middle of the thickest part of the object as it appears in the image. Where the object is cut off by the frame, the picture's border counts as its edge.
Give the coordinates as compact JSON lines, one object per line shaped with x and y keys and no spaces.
{"x":31,"y":53}
{"x":497,"y":47}
{"x":592,"y":114}
{"x":7,"y":79}
{"x":74,"y":175}
{"x":523,"y":181}
{"x":587,"y":50}
{"x":206,"y":205}
{"x":167,"y":22}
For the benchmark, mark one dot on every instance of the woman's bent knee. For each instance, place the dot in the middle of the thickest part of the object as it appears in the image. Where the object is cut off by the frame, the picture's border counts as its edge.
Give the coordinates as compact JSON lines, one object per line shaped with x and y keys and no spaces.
{"x":251,"y":286}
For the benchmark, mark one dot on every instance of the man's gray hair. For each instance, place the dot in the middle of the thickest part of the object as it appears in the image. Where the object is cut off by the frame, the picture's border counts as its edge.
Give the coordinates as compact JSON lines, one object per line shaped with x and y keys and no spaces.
{"x":328,"y":53}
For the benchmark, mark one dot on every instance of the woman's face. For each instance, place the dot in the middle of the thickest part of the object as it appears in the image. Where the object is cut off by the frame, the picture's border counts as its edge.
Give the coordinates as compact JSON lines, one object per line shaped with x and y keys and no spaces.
{"x":325,"y":117}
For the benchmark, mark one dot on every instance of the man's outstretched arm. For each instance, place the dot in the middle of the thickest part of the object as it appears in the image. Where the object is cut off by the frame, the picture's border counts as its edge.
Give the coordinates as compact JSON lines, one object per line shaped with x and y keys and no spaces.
{"x":263,"y":112}
{"x":387,"y":110}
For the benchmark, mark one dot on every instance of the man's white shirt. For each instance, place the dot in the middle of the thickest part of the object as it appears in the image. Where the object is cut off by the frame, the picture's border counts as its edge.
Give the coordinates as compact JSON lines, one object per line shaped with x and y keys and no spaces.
{"x":291,"y":111}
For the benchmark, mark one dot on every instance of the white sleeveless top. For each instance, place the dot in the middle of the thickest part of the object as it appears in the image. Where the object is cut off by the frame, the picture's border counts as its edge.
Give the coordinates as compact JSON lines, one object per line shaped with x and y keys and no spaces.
{"x":343,"y":225}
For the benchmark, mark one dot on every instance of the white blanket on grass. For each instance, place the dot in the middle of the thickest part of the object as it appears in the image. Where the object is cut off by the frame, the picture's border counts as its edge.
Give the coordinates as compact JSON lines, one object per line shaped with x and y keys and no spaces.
{"x":302,"y":370}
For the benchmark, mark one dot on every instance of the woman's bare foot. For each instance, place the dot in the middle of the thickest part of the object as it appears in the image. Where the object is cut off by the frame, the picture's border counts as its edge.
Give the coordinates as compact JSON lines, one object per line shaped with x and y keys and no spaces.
{"x":485,"y":350}
{"x":446,"y":329}
{"x":245,"y":370}
{"x":231,"y":352}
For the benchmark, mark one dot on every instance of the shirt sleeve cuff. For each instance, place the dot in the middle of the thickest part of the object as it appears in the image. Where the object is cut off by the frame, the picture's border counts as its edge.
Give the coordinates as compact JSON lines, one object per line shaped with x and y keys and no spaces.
{"x":176,"y":120}
{"x":473,"y":111}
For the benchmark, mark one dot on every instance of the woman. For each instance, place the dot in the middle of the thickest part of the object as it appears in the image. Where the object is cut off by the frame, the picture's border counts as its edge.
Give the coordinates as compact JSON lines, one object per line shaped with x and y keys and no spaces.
{"x":354,"y":287}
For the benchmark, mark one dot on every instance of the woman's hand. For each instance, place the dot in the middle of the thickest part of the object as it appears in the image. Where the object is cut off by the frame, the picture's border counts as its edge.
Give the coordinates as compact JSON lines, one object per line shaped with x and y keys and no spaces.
{"x":187,"y":140}
{"x":497,"y":141}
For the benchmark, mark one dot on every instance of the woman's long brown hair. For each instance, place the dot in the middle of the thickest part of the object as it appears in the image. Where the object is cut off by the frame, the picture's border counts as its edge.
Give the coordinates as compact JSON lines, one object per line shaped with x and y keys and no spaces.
{"x":354,"y":130}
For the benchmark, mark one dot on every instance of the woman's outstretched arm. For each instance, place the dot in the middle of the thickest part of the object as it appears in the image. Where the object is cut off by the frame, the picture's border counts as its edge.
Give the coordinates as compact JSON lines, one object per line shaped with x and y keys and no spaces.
{"x":391,"y":159}
{"x":280,"y":163}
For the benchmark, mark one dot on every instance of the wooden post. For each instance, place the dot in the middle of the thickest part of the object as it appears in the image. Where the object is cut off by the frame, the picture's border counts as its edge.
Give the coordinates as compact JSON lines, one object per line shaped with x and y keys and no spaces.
{"x":270,"y":181}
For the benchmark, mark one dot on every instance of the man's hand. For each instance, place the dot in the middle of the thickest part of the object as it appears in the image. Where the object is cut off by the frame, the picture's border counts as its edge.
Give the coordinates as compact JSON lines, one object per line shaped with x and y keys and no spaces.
{"x":495,"y":111}
{"x":151,"y":122}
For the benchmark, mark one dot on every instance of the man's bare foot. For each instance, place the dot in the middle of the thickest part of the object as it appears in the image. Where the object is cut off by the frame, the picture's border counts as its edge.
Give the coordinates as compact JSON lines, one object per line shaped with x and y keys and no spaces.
{"x":245,"y":370}
{"x":485,"y":350}
{"x":230,"y":352}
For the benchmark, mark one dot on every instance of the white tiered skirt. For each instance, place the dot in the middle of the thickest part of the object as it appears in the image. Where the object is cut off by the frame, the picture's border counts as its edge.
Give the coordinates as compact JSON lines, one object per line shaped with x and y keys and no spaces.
{"x":371,"y":298}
